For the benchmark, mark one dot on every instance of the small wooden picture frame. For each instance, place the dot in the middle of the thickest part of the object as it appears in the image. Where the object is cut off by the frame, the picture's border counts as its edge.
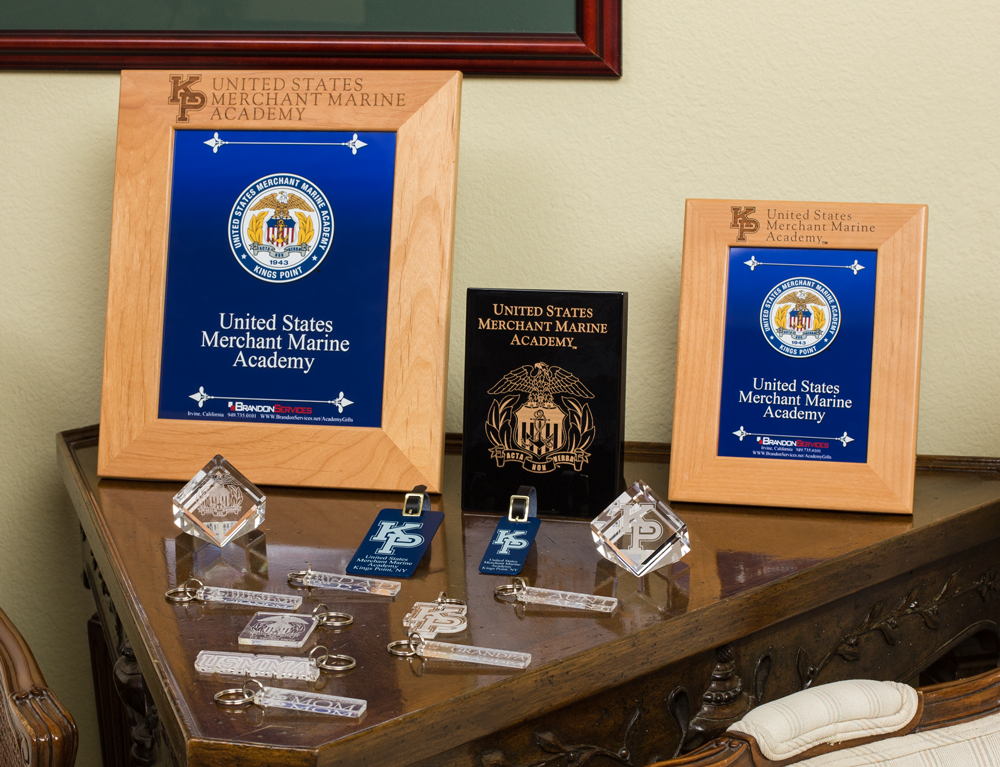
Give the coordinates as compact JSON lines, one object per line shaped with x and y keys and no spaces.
{"x":365,"y":257}
{"x":798,"y":354}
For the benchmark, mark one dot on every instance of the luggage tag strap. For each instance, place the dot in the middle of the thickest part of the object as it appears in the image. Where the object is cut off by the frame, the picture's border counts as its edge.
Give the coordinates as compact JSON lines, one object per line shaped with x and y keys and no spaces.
{"x":416,"y":501}
{"x":523,"y":504}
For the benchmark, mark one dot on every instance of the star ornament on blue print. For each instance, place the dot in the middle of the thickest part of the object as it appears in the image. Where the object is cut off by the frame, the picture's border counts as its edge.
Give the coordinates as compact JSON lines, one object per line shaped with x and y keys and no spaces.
{"x":281,"y":228}
{"x":395,"y":544}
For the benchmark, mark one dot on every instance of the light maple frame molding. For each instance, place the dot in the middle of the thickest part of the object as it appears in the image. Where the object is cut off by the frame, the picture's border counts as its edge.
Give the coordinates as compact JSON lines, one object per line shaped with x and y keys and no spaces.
{"x":408,"y":449}
{"x":885,"y":482}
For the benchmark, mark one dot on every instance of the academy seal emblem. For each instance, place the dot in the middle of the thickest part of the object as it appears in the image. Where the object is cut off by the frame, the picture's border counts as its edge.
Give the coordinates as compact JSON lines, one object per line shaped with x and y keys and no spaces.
{"x":539,"y":420}
{"x":281,"y":228}
{"x":800,"y":317}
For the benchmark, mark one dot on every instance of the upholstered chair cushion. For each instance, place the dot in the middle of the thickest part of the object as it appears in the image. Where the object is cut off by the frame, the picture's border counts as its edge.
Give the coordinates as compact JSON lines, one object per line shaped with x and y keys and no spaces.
{"x":830,"y":713}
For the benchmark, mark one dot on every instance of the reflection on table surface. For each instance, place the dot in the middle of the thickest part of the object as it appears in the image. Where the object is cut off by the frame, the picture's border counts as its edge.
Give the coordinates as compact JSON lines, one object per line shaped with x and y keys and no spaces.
{"x":734,"y":549}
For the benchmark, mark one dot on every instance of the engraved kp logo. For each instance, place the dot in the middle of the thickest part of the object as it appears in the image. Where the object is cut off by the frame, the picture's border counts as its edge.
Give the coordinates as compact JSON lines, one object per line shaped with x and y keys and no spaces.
{"x":510,"y":539}
{"x":430,"y":619}
{"x":395,"y":535}
{"x":185,"y":96}
{"x":743,"y":222}
{"x":642,"y":530}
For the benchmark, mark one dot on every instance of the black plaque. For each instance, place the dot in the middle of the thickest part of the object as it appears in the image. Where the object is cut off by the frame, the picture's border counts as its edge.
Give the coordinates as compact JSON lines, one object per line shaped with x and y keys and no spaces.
{"x":544,"y":399}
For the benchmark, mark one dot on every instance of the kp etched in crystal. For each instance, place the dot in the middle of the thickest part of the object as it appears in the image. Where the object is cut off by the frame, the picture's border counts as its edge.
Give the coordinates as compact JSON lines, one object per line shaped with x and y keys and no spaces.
{"x":640,"y":532}
{"x":219,"y":504}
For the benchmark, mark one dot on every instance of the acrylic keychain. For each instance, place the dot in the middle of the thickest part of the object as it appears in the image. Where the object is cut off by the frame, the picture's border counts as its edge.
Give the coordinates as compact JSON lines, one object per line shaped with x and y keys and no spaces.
{"x":416,"y":645}
{"x":310,"y":578}
{"x":194,"y":590}
{"x":305,"y":668}
{"x":398,"y":538}
{"x":290,"y":630}
{"x":522,"y":592}
{"x":511,"y":541}
{"x":442,"y":616}
{"x":254,"y":692}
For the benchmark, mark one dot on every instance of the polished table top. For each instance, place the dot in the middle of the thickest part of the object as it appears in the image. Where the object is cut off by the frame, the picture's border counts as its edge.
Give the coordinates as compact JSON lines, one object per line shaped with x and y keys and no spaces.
{"x":740,"y":556}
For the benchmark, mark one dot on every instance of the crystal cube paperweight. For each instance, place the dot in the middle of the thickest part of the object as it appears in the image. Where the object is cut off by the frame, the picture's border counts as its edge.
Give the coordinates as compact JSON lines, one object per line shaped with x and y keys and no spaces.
{"x":640,"y":532}
{"x":219,"y":504}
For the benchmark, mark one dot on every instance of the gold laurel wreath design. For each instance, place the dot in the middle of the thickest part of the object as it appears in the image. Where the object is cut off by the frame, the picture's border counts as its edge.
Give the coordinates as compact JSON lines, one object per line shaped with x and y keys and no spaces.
{"x":819,"y":318}
{"x":305,"y":228}
{"x":255,"y":229}
{"x":781,"y":316}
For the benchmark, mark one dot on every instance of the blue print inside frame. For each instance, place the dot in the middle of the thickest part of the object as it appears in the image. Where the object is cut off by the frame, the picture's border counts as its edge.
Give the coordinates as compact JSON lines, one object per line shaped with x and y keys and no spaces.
{"x":277,"y":277}
{"x":797,"y":359}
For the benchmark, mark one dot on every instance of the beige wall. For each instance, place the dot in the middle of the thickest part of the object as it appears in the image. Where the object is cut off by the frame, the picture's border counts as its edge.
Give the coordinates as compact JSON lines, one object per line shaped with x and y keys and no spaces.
{"x":565,"y":183}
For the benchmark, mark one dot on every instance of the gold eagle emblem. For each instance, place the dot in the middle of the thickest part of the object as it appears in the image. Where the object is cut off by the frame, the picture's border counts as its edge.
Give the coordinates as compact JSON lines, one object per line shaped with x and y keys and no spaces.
{"x":541,"y":382}
{"x":282,"y":203}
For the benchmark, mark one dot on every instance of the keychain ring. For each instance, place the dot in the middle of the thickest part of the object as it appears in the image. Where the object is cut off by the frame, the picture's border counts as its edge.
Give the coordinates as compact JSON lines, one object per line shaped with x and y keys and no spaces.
{"x":297,"y":577}
{"x":393,"y":648}
{"x":329,"y":662}
{"x":336,"y":662}
{"x":331,"y":620}
{"x":185,"y":592}
{"x":235,"y":696}
{"x":504,"y":590}
{"x":443,"y":599}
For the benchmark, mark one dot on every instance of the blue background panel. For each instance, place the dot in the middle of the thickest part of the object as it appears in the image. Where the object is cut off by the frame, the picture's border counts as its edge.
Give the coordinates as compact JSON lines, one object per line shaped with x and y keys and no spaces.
{"x":342,"y":299}
{"x":774,"y":400}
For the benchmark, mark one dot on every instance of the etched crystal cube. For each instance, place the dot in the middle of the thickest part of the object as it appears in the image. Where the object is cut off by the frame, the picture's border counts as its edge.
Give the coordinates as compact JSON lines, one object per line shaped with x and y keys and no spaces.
{"x":640,"y":532}
{"x":219,"y":504}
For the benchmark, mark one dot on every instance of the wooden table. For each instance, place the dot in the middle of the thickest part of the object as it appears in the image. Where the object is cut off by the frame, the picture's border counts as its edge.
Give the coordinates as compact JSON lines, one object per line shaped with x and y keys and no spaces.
{"x":768,"y":601}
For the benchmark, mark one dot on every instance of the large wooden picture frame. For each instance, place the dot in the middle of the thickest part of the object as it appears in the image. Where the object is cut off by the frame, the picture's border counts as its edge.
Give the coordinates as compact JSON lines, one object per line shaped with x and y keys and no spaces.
{"x":594,"y":49}
{"x":408,"y":448}
{"x":883,"y":482}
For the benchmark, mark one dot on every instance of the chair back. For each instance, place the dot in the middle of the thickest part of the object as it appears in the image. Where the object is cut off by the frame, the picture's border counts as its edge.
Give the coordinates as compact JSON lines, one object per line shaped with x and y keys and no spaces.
{"x":35,"y":728}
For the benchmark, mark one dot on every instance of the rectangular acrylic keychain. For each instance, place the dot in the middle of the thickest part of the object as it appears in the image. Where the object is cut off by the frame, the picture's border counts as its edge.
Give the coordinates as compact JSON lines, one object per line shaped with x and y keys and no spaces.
{"x":397,"y":540}
{"x":313,"y":579}
{"x":305,"y":668}
{"x":416,"y":645}
{"x":511,"y":541}
{"x":574,"y":600}
{"x":250,"y":665}
{"x":253,"y":692}
{"x":278,"y":630}
{"x":194,"y":590}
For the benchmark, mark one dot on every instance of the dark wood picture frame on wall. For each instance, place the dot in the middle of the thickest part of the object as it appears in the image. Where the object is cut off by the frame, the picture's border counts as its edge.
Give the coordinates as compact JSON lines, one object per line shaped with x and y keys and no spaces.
{"x":593,"y":50}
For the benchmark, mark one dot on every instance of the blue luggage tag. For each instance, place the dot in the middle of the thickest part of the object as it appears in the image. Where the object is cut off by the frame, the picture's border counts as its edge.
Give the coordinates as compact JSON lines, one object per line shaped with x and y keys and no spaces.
{"x":511,"y":541}
{"x":398,"y":538}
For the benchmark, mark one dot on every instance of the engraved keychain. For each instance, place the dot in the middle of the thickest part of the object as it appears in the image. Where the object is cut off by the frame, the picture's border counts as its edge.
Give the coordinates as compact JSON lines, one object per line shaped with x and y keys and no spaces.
{"x":310,"y":578}
{"x":522,"y":592}
{"x":194,"y":590}
{"x":306,"y":668}
{"x":254,"y":692}
{"x":290,"y":630}
{"x":416,"y":645}
{"x":442,"y":616}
